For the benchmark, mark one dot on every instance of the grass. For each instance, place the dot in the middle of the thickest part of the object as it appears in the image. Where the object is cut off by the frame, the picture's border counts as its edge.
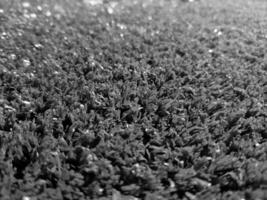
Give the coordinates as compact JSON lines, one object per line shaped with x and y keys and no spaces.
{"x":133,"y":100}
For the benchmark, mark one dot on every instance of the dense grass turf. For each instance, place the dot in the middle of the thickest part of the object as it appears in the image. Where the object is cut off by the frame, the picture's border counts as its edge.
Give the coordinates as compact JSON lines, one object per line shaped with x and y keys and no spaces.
{"x":133,"y":100}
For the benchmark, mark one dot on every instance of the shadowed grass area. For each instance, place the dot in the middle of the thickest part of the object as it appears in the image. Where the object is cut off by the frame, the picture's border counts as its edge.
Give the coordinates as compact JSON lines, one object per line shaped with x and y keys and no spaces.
{"x":133,"y":100}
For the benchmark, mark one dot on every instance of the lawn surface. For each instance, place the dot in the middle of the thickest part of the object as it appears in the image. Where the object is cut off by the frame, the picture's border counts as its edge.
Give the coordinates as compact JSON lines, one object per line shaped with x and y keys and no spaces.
{"x":129,"y":100}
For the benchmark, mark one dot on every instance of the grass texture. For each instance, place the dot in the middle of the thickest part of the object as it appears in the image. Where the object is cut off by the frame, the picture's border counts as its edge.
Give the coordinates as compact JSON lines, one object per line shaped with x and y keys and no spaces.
{"x":133,"y":100}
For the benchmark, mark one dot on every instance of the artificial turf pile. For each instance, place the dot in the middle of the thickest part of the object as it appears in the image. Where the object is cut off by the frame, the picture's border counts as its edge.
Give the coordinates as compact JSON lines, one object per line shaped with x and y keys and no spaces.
{"x":133,"y":100}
